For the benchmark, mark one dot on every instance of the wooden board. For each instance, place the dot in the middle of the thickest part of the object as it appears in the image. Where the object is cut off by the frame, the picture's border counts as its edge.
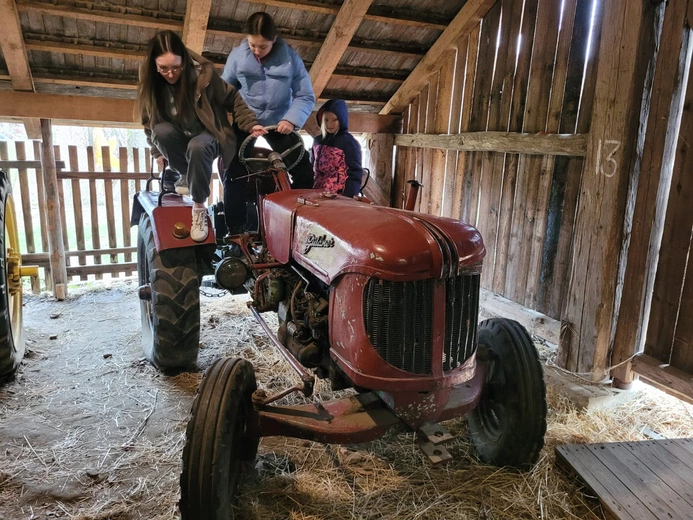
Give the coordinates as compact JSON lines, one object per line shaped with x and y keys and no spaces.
{"x":654,"y":175}
{"x":601,"y":209}
{"x":635,"y":480}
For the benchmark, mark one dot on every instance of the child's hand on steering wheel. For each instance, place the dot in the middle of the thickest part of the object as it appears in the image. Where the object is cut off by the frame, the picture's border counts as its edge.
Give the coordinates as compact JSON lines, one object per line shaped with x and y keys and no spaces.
{"x":285,"y":127}
{"x":257,"y":131}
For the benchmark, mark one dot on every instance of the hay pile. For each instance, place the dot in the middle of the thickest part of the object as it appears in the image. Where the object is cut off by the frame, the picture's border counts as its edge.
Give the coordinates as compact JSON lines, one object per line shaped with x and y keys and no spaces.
{"x":85,"y":436}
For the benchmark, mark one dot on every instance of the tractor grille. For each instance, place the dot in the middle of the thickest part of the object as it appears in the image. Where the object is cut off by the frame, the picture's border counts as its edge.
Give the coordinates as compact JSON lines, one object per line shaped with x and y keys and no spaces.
{"x":399,"y":321}
{"x":461,"y":317}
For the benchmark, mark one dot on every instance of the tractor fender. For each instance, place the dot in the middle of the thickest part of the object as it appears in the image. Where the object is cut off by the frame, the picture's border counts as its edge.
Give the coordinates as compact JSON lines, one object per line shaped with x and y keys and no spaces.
{"x":171,"y":220}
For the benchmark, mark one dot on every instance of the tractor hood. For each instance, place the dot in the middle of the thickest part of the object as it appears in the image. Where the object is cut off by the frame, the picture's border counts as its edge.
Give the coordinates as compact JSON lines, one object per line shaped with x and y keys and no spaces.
{"x":332,"y":235}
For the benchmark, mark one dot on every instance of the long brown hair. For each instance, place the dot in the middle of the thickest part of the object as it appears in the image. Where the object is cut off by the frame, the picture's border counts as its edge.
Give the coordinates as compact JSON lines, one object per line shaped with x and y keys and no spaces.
{"x":150,"y":99}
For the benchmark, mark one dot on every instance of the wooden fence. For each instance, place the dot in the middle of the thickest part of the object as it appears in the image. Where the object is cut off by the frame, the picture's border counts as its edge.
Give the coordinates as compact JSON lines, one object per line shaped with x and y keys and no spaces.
{"x":95,"y":187}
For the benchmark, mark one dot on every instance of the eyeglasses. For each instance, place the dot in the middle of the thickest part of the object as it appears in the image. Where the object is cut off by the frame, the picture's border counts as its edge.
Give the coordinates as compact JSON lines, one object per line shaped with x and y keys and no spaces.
{"x":168,"y":70}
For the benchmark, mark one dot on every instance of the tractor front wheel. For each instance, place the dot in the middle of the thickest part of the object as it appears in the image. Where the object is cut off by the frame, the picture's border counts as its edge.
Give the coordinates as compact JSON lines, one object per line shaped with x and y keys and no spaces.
{"x":169,"y":302}
{"x":218,"y":449}
{"x":508,"y":425}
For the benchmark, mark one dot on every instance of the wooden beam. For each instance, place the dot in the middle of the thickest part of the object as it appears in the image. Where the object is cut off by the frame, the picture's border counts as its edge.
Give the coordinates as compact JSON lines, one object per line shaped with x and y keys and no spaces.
{"x":667,"y":378}
{"x":27,"y":165}
{"x":44,"y":258}
{"x":96,"y":15}
{"x":354,"y":97}
{"x":13,"y":48}
{"x":130,"y":54}
{"x":336,"y":42}
{"x":81,"y":81}
{"x":316,"y":39}
{"x":98,"y":109}
{"x":492,"y":305}
{"x":415,"y":19}
{"x":54,"y":106}
{"x":195,"y":24}
{"x":86,"y":50}
{"x":32,"y":126}
{"x":383,"y":14}
{"x":404,"y":17}
{"x":410,"y":18}
{"x":17,"y":60}
{"x":468,"y":17}
{"x":120,"y":81}
{"x":587,"y":318}
{"x":113,"y":268}
{"x":504,"y":142}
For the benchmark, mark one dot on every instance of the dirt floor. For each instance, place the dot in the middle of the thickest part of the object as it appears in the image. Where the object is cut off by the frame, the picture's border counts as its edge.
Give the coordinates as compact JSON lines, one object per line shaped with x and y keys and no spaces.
{"x":89,"y":430}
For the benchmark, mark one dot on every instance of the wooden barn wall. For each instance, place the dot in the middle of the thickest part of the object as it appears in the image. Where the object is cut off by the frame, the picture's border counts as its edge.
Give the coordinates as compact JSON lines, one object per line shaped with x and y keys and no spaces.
{"x":660,"y":246}
{"x":95,"y":190}
{"x":526,"y":68}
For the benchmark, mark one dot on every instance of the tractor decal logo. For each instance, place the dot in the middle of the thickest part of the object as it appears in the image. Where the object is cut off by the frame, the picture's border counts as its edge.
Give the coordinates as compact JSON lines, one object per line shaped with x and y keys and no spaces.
{"x":317,"y":241}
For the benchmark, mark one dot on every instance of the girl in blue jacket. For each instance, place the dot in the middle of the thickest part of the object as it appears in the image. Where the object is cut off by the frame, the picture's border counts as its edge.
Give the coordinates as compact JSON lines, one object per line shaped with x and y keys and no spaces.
{"x":336,"y":155}
{"x":274,"y":83}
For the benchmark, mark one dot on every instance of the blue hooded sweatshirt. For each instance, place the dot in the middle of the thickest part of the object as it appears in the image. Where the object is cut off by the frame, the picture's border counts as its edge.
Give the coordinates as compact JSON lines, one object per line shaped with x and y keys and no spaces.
{"x":336,"y":157}
{"x":276,"y":88}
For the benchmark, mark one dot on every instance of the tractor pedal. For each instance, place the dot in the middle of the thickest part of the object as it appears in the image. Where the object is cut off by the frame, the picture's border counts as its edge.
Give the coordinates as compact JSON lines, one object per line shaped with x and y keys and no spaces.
{"x":435,"y":434}
{"x":436,"y":454}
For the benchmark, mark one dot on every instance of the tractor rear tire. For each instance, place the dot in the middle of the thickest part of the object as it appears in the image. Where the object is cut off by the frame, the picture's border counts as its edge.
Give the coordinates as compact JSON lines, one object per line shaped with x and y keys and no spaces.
{"x":171,"y":316}
{"x":11,"y":332}
{"x":508,"y":425}
{"x":218,"y":449}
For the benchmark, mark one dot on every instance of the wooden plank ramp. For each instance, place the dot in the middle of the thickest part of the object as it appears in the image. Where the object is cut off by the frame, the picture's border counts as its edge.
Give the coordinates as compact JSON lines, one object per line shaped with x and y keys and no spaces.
{"x":643,"y":480}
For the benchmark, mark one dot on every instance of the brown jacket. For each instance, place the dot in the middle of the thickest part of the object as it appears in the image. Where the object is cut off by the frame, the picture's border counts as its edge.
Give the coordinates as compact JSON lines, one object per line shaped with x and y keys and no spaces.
{"x":214,"y":101}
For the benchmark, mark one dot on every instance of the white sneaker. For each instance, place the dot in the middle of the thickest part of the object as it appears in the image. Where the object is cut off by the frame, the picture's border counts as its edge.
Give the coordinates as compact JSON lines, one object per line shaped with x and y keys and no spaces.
{"x":182,"y":185}
{"x":199,"y":229}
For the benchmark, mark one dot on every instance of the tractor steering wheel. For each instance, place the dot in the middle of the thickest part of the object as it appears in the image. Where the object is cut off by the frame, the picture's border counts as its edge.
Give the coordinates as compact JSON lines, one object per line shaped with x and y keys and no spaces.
{"x":298,"y":145}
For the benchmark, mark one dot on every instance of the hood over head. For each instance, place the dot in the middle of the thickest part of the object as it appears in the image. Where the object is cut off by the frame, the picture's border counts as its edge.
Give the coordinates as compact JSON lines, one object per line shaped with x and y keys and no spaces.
{"x":339,"y":108}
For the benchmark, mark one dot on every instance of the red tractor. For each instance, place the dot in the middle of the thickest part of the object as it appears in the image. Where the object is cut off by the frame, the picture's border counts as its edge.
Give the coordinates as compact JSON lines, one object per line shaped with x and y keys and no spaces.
{"x":381,"y":300}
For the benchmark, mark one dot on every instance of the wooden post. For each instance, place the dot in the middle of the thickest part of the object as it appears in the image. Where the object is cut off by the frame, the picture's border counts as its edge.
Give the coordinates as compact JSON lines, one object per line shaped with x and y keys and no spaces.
{"x":665,"y":109}
{"x":379,"y":186}
{"x":587,"y":321}
{"x":56,"y":248}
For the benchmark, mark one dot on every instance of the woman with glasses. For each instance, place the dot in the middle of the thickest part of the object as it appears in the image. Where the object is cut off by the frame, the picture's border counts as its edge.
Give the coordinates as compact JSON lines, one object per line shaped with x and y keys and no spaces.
{"x":184,"y":107}
{"x":274,"y":82}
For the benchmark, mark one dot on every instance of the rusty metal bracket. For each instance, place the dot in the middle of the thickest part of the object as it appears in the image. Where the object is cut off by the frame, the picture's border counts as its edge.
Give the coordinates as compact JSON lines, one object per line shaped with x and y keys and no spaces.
{"x":435,"y":434}
{"x":430,"y":439}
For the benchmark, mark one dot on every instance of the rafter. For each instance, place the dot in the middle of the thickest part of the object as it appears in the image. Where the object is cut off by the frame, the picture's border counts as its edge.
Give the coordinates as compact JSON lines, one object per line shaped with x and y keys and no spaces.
{"x":16,"y":58}
{"x":336,"y":42}
{"x":87,"y":50}
{"x":195,"y":24}
{"x":468,"y":17}
{"x":316,"y":39}
{"x":43,"y":76}
{"x":96,"y":15}
{"x":377,"y":14}
{"x":82,"y":81}
{"x":401,"y":18}
{"x":12,"y":43}
{"x":137,"y":54}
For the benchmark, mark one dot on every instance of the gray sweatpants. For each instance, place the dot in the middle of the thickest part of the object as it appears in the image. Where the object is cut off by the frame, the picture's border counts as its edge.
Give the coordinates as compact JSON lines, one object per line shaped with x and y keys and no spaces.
{"x":191,"y":156}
